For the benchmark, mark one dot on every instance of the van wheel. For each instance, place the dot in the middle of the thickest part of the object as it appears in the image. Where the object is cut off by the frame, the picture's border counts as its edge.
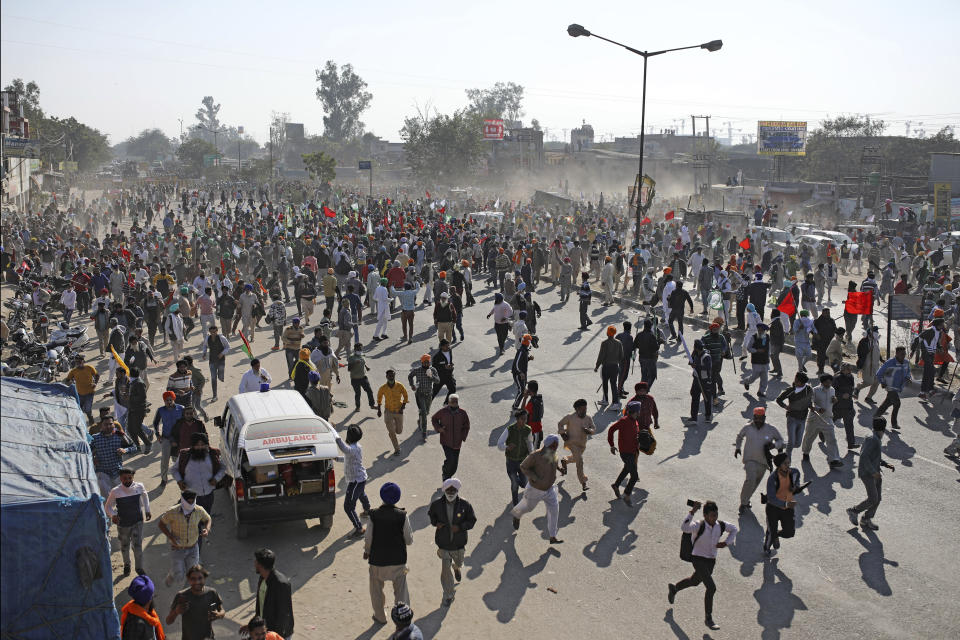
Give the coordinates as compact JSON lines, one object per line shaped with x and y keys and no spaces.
{"x":326,"y":522}
{"x":242,"y":531}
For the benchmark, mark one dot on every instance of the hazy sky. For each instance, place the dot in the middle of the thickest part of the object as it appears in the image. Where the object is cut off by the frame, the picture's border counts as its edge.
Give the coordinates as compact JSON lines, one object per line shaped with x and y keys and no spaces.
{"x":125,"y":66}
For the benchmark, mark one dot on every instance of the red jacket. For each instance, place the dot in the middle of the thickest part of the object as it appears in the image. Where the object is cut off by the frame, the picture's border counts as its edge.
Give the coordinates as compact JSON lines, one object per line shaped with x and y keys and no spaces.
{"x":628,"y":429}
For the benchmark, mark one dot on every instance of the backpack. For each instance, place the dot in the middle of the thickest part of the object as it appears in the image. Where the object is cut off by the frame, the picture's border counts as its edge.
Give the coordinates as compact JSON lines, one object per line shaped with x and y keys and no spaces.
{"x":686,"y":540}
{"x":646,"y":442}
{"x":537,"y":402}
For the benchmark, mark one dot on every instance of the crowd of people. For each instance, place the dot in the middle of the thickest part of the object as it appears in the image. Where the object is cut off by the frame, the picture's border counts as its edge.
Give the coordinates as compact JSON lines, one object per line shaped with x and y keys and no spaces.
{"x":232,"y":265}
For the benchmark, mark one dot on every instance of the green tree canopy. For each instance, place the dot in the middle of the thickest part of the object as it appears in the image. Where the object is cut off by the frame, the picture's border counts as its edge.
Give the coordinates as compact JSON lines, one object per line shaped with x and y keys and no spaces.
{"x":192,"y":151}
{"x":30,"y":93}
{"x":344,"y":97}
{"x":320,"y":166}
{"x":442,"y":145}
{"x":149,"y":144}
{"x":502,"y":100}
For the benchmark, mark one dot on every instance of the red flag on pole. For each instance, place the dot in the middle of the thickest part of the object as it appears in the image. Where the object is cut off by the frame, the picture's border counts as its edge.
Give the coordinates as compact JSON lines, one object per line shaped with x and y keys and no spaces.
{"x":330,"y":213}
{"x":669,"y":215}
{"x":745,"y":244}
{"x":859,"y":303}
{"x":646,"y":220}
{"x":223,"y":268}
{"x":788,"y":306}
{"x":428,"y":194}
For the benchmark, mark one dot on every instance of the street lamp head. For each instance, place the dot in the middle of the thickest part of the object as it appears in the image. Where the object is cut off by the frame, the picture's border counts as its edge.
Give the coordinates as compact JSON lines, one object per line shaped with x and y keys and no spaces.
{"x":713,"y":45}
{"x":575,"y":31}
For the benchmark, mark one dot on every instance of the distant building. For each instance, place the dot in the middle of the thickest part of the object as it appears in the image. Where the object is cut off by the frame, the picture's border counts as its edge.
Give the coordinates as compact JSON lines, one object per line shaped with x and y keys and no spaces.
{"x":19,"y":152}
{"x":581,"y":138}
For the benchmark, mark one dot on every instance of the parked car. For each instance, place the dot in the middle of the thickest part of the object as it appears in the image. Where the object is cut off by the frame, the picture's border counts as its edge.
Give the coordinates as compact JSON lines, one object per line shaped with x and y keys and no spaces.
{"x":281,"y":457}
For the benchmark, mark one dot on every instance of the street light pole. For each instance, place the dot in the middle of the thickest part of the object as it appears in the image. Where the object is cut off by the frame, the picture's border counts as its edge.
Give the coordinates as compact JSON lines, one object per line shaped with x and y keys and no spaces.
{"x":575,"y":31}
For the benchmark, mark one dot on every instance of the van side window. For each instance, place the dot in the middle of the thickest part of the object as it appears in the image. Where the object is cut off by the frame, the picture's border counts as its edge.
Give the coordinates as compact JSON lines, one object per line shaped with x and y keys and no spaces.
{"x":233,"y":433}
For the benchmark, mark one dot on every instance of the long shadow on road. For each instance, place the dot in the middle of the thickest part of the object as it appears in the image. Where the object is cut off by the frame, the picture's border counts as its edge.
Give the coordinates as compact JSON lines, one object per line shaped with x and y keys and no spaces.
{"x":618,"y":538}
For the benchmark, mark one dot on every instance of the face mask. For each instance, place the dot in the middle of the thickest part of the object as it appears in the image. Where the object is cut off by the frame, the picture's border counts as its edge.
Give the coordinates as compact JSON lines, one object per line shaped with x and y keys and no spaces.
{"x":450,"y":496}
{"x":187,"y":507}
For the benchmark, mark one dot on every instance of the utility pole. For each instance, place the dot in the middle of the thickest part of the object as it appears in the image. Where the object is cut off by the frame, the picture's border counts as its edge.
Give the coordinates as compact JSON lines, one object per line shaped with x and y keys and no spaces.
{"x":703,"y":154}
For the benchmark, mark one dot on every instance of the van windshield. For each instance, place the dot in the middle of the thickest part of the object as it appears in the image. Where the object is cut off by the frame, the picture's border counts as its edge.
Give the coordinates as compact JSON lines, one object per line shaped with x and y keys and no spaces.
{"x":288,"y":431}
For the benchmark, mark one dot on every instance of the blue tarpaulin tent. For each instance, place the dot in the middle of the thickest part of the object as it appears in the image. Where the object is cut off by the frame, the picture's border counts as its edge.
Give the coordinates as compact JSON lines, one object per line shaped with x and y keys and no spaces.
{"x":55,"y":571}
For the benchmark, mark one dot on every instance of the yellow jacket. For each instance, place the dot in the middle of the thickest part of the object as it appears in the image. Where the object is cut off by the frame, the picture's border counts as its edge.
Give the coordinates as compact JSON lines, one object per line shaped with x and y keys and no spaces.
{"x":392,"y":397}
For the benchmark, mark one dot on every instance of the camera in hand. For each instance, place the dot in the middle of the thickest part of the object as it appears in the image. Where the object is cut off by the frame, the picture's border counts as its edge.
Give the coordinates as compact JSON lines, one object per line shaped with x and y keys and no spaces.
{"x":692,"y":503}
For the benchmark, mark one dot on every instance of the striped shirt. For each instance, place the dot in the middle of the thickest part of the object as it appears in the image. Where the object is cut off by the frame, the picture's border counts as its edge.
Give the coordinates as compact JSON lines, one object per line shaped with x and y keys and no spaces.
{"x":353,"y":469}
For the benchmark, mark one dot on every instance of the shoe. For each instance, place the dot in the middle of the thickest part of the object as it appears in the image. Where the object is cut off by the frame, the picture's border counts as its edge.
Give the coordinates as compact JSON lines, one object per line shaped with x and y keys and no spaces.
{"x":742,"y":508}
{"x":456,"y":574}
{"x":555,"y":540}
{"x":806,"y":457}
{"x":626,"y":501}
{"x":397,"y":453}
{"x":713,"y":626}
{"x":604,"y":401}
{"x":870,"y":400}
{"x":163,"y":482}
{"x":356,"y":533}
{"x":835,"y":464}
{"x":365,"y":514}
{"x":614,"y":407}
{"x":126,"y":570}
{"x":761,"y":394}
{"x":854,"y":516}
{"x":357,"y":408}
{"x":616,"y":489}
{"x":585,"y":487}
{"x":446,"y":602}
{"x":776,"y":542}
{"x":213,"y":398}
{"x":867,"y":523}
{"x":922,"y":396}
{"x":895,"y":427}
{"x":746,"y":386}
{"x":671,"y":593}
{"x":516,"y":523}
{"x":274,"y":348}
{"x":853,"y":446}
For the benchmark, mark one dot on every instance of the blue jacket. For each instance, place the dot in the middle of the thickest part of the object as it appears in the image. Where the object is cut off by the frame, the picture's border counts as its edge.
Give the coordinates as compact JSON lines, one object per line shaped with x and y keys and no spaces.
{"x":898,"y":373}
{"x":168,"y":417}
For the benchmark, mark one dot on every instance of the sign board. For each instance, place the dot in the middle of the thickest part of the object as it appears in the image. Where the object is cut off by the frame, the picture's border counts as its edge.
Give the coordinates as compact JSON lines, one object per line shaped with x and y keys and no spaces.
{"x":941,"y":201}
{"x":69,"y":166}
{"x":210,"y":159}
{"x":240,"y":130}
{"x":20,"y":148}
{"x":365,"y":165}
{"x":648,"y":184}
{"x":781,"y":138}
{"x":493,"y":129}
{"x":905,"y":307}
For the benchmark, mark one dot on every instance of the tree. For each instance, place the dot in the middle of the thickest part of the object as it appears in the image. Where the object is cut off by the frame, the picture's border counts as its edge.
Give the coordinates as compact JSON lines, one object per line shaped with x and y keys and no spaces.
{"x":192,"y":151}
{"x":149,"y":144}
{"x":502,"y":100}
{"x":68,"y":139}
{"x":855,"y":126}
{"x":320,"y":166}
{"x":535,"y":124}
{"x":257,"y":170}
{"x":207,"y":120}
{"x":343,"y":95}
{"x":30,"y":94}
{"x":442,"y":145}
{"x":278,"y":133}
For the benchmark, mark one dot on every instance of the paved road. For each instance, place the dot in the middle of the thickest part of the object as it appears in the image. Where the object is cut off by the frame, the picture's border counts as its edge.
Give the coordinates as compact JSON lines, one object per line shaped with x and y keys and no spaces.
{"x":611,"y":572}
